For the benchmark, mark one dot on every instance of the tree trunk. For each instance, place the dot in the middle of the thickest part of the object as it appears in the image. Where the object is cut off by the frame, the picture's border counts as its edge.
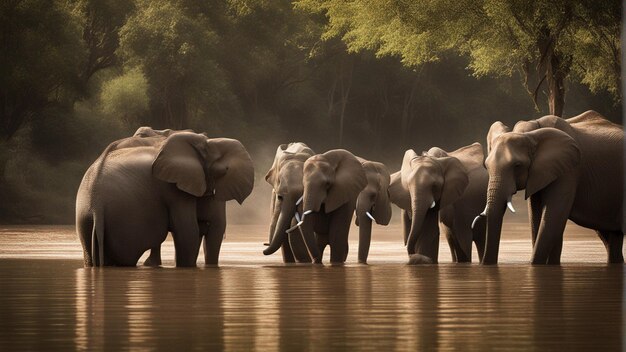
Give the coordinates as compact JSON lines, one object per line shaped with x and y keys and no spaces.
{"x":556,"y":72}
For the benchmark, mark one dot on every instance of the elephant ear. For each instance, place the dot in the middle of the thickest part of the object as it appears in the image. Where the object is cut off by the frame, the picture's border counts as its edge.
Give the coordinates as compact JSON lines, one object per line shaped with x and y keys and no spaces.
{"x":455,"y":180}
{"x":382,"y":205}
{"x":181,"y":161}
{"x":496,"y":129}
{"x":470,"y":156}
{"x":231,"y":169}
{"x":555,"y":154}
{"x":398,"y":194}
{"x":272,"y":174}
{"x":349,"y":179}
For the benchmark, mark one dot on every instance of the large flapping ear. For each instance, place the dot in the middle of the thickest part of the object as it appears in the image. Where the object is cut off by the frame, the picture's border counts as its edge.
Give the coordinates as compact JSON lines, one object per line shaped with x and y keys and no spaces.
{"x":272,"y":173}
{"x":470,"y":156}
{"x":181,"y":161}
{"x":382,"y":205}
{"x":496,"y":129}
{"x":349,"y":179}
{"x":398,"y":194}
{"x":555,"y":153}
{"x":231,"y":169}
{"x":455,"y":180}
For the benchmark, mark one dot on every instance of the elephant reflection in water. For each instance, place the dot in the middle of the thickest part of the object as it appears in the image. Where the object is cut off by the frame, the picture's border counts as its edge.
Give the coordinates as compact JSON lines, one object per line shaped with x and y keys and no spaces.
{"x":441,"y":192}
{"x":570,"y":169}
{"x":168,"y":309}
{"x":158,"y":181}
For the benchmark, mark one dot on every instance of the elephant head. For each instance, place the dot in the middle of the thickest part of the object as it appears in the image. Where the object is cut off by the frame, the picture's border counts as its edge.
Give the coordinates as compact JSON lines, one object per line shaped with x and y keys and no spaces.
{"x":372,"y":204}
{"x":285,"y":177}
{"x":425,"y":184}
{"x":204,"y":166}
{"x":331,"y":179}
{"x":516,"y":161}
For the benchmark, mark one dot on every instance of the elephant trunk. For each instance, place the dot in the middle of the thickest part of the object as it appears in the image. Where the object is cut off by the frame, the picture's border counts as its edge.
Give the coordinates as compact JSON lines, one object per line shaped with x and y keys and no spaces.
{"x":365,"y":237}
{"x":286,"y":211}
{"x":364,"y":221}
{"x":277,"y":204}
{"x":419,"y":207}
{"x":497,"y":198}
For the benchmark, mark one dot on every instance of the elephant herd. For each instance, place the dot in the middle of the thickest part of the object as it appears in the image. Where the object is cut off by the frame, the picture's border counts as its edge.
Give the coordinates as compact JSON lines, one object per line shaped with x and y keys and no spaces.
{"x":155,"y":182}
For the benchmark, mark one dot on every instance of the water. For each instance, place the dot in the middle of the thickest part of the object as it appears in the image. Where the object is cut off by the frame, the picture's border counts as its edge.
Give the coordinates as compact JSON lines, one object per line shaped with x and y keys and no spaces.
{"x":48,"y":301}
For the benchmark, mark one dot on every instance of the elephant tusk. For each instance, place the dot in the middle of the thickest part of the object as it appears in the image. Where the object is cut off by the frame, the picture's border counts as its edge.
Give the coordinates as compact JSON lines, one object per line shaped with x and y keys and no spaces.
{"x":432,"y":205}
{"x":299,"y":200}
{"x":307,"y":213}
{"x":476,"y":219}
{"x":369,"y":215}
{"x":290,"y":230}
{"x":510,"y":206}
{"x":298,"y":217}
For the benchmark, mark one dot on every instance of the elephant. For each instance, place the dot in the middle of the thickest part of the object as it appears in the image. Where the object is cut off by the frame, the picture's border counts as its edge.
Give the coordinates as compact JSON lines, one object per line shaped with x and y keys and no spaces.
{"x":285,"y":177}
{"x":570,"y":169}
{"x":440,"y":192}
{"x":372,"y":204}
{"x":332,"y":182}
{"x":142,"y":187}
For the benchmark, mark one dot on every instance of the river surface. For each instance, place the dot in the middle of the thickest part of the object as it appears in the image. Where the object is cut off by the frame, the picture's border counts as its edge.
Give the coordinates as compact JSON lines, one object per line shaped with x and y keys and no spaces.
{"x":48,"y":301}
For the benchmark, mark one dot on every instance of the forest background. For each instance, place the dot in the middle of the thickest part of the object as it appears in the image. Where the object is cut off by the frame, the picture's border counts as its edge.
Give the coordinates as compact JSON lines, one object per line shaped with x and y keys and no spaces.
{"x":374,"y":77}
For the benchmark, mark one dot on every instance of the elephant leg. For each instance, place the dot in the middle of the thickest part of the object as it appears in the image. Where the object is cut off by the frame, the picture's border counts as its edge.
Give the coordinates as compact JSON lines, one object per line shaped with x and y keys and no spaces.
{"x":298,"y":248}
{"x":535,"y":209}
{"x":613,"y":242}
{"x":322,"y":243}
{"x":339,"y":227}
{"x":287,"y":251}
{"x":215,"y":232}
{"x":154,"y":259}
{"x":558,"y":199}
{"x":186,"y":233}
{"x":479,"y":235}
{"x":406,"y":225}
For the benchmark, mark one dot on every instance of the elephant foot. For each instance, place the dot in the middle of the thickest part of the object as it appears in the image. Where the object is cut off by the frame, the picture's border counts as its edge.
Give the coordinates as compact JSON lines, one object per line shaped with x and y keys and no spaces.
{"x":364,"y":262}
{"x":417,"y":259}
{"x":337,"y":263}
{"x":317,"y":261}
{"x":152,"y":262}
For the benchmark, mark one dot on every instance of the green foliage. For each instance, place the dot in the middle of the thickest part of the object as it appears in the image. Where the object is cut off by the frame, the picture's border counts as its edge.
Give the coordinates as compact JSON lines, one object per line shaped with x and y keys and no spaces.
{"x":78,"y":74}
{"x":500,"y":37}
{"x":126,"y":97}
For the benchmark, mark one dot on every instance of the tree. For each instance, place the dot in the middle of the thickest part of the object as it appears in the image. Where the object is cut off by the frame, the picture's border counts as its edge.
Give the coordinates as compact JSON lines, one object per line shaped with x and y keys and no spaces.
{"x":41,"y":52}
{"x":173,"y":44}
{"x":543,"y":40}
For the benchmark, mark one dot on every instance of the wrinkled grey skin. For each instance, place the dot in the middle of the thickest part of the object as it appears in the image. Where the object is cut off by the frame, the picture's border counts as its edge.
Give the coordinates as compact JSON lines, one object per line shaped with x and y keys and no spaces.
{"x":570,"y":169}
{"x":285,"y":177}
{"x":332,"y":182}
{"x":373,"y":199}
{"x":142,"y":187}
{"x":440,"y":192}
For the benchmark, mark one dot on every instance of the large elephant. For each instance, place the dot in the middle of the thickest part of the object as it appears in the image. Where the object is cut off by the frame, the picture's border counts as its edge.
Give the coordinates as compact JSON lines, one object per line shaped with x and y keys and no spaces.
{"x":372,"y":204}
{"x":285,"y":176}
{"x":570,"y":169}
{"x":139,"y":189}
{"x":332,"y":182}
{"x":441,"y":192}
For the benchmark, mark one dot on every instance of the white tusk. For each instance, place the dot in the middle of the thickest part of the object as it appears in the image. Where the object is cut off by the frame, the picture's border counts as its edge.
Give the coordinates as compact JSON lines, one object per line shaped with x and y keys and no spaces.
{"x":369,"y":215}
{"x":300,"y":223}
{"x":299,"y":200}
{"x":476,"y":219}
{"x":510,"y":206}
{"x":213,"y":191}
{"x":298,"y":217}
{"x":432,"y":205}
{"x":307,"y":212}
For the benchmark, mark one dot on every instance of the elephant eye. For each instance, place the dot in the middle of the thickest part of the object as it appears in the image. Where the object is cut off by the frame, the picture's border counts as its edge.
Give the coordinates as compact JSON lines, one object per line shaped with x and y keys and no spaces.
{"x":279,"y":197}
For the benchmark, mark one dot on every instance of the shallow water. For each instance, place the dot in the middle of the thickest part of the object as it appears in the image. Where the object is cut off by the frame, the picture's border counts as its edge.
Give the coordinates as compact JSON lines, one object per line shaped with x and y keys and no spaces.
{"x":48,"y":301}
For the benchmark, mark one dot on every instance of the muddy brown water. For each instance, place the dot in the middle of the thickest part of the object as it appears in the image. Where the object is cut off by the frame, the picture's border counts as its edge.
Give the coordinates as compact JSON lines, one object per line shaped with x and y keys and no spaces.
{"x":48,"y":301}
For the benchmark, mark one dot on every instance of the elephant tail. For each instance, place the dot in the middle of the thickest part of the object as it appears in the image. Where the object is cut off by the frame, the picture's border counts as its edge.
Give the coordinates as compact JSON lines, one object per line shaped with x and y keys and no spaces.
{"x":97,"y":238}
